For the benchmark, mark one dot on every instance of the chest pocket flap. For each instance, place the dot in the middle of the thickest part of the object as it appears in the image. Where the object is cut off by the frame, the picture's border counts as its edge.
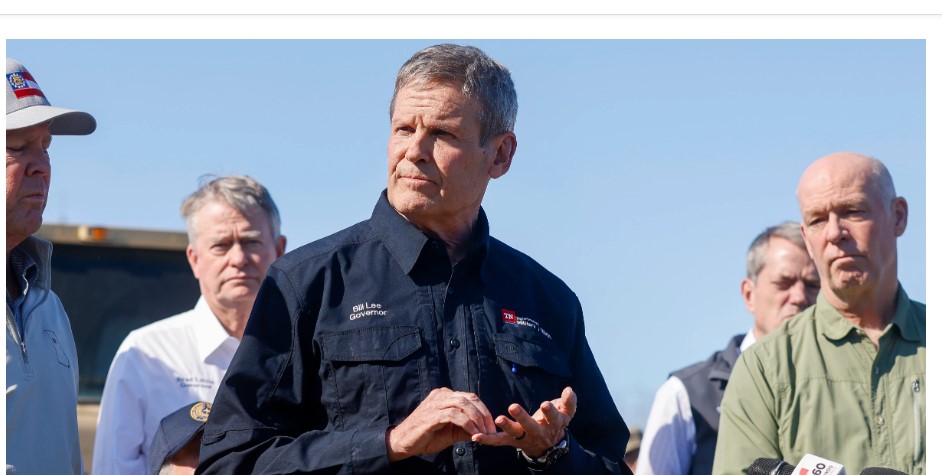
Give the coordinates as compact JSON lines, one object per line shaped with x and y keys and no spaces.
{"x":371,"y":344}
{"x":532,"y":353}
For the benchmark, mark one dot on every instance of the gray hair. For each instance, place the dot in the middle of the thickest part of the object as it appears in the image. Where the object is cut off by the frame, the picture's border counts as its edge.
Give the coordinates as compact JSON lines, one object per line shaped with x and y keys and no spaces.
{"x":480,"y":77}
{"x":243,"y":193}
{"x":755,"y":258}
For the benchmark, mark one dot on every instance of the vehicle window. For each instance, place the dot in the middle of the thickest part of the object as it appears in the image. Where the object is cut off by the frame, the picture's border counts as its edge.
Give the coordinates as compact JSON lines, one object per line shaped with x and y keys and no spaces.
{"x":108,"y":292}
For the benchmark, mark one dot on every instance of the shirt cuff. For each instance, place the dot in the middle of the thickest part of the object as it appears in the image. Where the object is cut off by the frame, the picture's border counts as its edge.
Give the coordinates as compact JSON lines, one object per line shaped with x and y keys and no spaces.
{"x":368,"y":451}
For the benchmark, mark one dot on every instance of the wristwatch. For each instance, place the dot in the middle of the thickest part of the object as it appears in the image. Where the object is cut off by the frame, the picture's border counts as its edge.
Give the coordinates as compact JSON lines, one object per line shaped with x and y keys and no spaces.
{"x":551,"y":456}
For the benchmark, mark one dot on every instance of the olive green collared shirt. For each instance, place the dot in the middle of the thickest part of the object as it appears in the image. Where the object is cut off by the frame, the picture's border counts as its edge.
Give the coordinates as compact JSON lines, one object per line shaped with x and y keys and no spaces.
{"x":818,"y":385}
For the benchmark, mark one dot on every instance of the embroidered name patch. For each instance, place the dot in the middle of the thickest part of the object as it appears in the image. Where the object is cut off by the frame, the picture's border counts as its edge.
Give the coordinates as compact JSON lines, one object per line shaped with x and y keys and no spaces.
{"x":511,"y":317}
{"x":367,"y":309}
{"x":195,"y":382}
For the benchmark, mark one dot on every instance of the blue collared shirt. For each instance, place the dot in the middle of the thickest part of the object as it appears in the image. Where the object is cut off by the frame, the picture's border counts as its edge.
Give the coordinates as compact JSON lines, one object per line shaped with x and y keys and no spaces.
{"x":351,"y":332}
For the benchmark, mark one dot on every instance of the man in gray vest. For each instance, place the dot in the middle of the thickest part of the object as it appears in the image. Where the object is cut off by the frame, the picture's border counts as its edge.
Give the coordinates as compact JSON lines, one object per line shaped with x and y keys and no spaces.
{"x":780,"y":282}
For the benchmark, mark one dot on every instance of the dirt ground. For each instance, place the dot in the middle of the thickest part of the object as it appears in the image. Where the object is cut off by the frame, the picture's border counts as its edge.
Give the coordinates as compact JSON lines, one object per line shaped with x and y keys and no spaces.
{"x":87,"y":420}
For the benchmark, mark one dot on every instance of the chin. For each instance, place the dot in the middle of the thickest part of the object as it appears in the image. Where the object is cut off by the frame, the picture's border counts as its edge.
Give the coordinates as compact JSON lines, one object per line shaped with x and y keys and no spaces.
{"x":243,"y":292}
{"x":411,"y":203}
{"x":850,"y":281}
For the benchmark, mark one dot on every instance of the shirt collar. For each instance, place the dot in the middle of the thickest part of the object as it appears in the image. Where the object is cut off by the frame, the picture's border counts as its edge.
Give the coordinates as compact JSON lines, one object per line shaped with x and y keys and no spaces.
{"x":747,"y":340}
{"x":210,"y":334}
{"x":905,"y":318}
{"x":836,"y":327}
{"x":24,"y":267}
{"x":405,"y":240}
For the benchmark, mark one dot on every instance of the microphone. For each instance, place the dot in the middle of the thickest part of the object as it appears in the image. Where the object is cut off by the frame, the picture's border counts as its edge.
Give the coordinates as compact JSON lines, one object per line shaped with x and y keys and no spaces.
{"x":767,"y":466}
{"x":809,"y":465}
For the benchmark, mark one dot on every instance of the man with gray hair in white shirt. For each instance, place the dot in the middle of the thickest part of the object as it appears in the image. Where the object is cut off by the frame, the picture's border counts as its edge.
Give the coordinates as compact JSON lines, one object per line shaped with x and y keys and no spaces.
{"x":234,"y":231}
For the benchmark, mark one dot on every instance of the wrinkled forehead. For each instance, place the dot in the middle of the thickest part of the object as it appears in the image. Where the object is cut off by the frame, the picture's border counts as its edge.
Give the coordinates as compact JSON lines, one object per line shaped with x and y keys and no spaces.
{"x":423,"y":84}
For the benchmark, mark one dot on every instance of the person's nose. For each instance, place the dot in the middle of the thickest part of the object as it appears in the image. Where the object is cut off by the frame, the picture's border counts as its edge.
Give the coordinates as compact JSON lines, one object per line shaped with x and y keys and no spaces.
{"x":419,"y":147}
{"x":800,"y":294}
{"x":38,"y":163}
{"x":834,"y":229}
{"x":237,"y":256}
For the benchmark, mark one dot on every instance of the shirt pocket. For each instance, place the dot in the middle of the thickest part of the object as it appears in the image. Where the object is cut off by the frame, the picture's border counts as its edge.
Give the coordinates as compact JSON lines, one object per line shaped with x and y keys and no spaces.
{"x":537,"y":370}
{"x":57,"y":349}
{"x":374,"y":373}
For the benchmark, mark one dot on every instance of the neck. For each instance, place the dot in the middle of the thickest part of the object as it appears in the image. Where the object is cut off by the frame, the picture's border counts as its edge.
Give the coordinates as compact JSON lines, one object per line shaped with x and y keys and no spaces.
{"x":455,"y":233}
{"x":457,"y":246}
{"x":232,"y":319}
{"x":871,"y":311}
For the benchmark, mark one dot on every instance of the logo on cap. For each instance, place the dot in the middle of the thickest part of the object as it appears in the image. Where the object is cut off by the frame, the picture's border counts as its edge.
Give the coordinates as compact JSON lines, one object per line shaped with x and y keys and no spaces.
{"x":200,"y":411}
{"x":24,"y":85}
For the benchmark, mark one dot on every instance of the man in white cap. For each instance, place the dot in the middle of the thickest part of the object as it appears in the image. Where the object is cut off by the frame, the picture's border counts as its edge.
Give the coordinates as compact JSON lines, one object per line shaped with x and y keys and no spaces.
{"x":42,"y":367}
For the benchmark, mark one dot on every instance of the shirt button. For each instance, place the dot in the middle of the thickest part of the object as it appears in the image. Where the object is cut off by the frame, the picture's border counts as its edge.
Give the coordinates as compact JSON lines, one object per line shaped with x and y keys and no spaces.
{"x":454,"y":343}
{"x":879,"y":420}
{"x":460,"y":451}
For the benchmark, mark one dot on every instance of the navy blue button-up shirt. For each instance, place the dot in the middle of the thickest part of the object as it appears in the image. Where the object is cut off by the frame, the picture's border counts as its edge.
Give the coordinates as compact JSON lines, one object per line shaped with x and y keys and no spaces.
{"x":351,"y":332}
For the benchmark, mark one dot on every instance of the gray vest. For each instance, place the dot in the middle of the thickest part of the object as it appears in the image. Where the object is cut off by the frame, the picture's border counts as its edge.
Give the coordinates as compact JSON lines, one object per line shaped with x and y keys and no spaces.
{"x":705,"y":383}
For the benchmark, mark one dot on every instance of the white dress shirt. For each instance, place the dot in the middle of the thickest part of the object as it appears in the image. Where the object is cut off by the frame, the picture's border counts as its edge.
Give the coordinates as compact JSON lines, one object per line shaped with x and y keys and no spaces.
{"x":670,"y":433}
{"x":158,"y":369}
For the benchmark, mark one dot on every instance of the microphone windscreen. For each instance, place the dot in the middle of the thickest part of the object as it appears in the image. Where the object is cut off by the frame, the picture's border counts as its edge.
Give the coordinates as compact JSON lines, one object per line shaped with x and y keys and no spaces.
{"x":767,"y":466}
{"x":881,"y":471}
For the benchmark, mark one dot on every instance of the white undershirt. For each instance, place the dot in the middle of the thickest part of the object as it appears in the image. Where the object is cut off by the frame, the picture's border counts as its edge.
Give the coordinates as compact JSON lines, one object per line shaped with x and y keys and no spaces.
{"x":669,"y":440}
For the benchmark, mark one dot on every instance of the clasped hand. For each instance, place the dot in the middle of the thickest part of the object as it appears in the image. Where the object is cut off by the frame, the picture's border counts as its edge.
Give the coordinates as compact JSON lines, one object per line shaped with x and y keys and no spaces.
{"x":446,"y":417}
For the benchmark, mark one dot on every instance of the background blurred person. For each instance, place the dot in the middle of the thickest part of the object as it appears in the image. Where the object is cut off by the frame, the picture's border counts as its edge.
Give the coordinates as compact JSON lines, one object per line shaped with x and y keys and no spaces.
{"x":681,"y":431}
{"x":235,"y":233}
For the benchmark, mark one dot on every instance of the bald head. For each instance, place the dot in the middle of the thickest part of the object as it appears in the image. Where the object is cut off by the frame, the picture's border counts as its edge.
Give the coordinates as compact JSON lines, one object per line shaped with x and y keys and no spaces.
{"x":842,"y":166}
{"x":851,"y":218}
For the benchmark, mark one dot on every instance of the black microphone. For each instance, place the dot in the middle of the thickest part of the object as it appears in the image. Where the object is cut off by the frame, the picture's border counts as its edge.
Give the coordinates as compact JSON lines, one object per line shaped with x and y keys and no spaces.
{"x":766,"y":466}
{"x":810,"y":464}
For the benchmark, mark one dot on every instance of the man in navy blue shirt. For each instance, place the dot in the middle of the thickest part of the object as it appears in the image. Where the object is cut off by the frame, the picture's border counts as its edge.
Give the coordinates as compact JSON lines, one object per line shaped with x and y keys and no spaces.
{"x":414,"y":342}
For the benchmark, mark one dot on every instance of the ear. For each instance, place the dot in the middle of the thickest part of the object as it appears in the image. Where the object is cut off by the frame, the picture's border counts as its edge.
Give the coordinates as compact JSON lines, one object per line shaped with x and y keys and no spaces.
{"x":746,"y":288}
{"x":505,"y":145}
{"x":901,"y":215}
{"x":280,"y":246}
{"x":193,"y":259}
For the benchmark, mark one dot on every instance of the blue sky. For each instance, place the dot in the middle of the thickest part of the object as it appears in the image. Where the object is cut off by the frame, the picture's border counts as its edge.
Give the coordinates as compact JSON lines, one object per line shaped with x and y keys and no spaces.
{"x":644,"y":168}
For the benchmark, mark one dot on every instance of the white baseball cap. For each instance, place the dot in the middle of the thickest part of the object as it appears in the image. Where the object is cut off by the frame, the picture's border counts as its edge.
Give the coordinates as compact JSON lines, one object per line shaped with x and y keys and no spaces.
{"x":27,"y":105}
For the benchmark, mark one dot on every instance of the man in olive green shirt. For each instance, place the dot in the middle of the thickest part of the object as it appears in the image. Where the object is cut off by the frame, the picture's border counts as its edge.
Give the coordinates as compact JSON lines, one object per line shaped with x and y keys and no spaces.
{"x":845,"y":379}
